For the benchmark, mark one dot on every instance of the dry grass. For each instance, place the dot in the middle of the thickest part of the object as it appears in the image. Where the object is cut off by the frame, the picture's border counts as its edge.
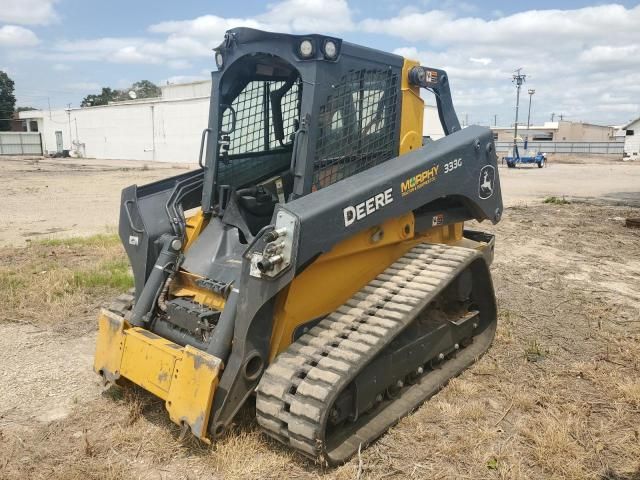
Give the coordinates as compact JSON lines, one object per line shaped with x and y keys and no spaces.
{"x":55,"y":282}
{"x":556,"y":397}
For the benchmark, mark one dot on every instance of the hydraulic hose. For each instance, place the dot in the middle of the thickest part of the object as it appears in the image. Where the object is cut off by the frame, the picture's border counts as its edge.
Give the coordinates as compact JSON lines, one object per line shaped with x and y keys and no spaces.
{"x":164,"y":266}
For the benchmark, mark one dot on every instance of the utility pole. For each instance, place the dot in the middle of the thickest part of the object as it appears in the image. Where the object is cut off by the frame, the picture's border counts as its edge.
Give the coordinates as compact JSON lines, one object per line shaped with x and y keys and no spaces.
{"x":518,"y":79}
{"x":153,"y":133}
{"x":553,"y":115}
{"x":68,"y":109}
{"x":531,"y":92}
{"x":495,"y":119}
{"x":561,"y":117}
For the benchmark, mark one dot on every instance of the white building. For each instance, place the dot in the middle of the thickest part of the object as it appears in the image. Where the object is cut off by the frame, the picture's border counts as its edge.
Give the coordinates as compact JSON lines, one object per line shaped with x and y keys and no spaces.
{"x":632,"y":139}
{"x":164,"y":129}
{"x":562,"y":131}
{"x":432,"y":127}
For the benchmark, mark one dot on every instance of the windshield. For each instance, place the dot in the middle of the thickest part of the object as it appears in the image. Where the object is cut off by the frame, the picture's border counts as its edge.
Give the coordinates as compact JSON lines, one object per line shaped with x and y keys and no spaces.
{"x":257,"y":128}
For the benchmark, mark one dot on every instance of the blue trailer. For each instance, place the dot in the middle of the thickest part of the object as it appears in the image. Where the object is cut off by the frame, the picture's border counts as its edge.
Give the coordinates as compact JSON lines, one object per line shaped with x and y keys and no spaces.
{"x":532,"y":156}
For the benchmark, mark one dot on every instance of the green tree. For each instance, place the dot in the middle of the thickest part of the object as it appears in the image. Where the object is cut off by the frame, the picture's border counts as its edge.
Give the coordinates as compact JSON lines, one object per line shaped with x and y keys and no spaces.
{"x":146,"y":89}
{"x":7,"y":101}
{"x":142,"y":89}
{"x":103,"y":98}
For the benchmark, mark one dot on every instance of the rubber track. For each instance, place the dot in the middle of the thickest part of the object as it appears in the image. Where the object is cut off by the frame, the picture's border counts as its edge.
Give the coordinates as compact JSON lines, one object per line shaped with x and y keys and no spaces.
{"x":298,"y":389}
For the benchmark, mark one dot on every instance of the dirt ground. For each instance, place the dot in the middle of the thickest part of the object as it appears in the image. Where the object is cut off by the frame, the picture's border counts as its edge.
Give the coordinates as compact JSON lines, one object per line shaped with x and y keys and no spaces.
{"x":58,"y":198}
{"x":63,"y":197}
{"x":557,"y":395}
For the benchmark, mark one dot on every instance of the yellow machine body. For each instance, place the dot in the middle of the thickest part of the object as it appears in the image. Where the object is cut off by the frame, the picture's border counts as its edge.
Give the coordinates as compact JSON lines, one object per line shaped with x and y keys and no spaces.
{"x":338,"y":274}
{"x":184,"y":377}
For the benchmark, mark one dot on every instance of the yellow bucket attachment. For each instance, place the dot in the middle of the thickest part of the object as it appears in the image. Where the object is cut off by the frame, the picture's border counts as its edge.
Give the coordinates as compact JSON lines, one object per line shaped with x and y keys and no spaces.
{"x":184,"y":377}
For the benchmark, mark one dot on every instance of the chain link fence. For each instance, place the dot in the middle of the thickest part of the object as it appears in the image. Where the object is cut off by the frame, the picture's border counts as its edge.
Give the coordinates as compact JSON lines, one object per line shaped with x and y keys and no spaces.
{"x":568,"y":148}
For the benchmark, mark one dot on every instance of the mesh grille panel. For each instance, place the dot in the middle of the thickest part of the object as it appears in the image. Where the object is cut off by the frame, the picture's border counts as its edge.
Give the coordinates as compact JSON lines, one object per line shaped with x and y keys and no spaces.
{"x":252,"y":111}
{"x":357,"y":126}
{"x":248,"y":135}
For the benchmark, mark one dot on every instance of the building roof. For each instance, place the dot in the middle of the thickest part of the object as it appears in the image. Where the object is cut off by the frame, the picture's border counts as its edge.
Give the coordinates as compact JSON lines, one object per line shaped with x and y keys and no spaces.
{"x":552,"y":125}
{"x":28,"y":114}
{"x":546,"y":126}
{"x":630,"y":123}
{"x":183,"y":84}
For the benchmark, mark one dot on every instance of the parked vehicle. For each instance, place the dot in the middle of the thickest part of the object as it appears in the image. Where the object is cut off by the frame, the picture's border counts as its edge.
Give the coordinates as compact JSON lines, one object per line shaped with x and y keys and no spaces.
{"x":531,"y":156}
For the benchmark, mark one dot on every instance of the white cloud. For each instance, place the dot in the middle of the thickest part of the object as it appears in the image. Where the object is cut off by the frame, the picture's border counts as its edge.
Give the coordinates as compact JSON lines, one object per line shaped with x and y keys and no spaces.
{"x":28,"y":12}
{"x":574,"y":58}
{"x":543,"y":28}
{"x":14,"y":36}
{"x":612,"y":56}
{"x":407,"y":52}
{"x":299,"y":16}
{"x":60,"y":67}
{"x":309,"y":16}
{"x":130,"y":50}
{"x":131,"y":54}
{"x":207,"y":26}
{"x":197,"y":37}
{"x":483,"y":60}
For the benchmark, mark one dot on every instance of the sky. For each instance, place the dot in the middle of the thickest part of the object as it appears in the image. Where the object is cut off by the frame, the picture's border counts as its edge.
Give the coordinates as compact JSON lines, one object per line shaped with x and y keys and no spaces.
{"x":581,"y":58}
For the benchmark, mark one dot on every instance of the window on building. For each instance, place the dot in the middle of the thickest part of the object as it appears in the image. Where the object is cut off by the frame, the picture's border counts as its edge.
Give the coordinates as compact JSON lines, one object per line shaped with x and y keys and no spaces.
{"x":629,"y":133}
{"x":33,"y":125}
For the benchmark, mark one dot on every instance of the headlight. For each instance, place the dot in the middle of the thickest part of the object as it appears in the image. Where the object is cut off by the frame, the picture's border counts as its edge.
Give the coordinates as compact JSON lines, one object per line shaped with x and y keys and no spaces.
{"x":330,"y":49}
{"x":219,"y":60}
{"x":306,"y":48}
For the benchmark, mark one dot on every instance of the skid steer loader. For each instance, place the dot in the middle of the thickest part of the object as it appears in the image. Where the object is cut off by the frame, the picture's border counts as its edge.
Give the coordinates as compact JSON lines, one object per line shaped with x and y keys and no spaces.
{"x":317,"y":260}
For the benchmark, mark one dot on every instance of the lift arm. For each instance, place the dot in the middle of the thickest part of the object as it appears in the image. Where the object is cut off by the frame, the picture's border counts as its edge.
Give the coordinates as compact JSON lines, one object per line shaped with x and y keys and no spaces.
{"x":436,"y":80}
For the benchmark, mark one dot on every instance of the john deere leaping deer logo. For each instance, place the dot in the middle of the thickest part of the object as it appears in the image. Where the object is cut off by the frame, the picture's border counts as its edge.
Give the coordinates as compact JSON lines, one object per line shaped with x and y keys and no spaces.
{"x":487,"y":180}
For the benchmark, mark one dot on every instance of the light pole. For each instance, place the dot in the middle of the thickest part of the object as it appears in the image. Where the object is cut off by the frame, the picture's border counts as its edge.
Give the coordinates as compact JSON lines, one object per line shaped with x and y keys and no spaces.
{"x":519,"y":79}
{"x":531,"y":92}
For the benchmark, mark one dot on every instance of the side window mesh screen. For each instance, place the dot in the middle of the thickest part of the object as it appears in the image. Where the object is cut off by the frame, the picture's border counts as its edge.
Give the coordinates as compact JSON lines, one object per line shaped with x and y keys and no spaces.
{"x":250,"y":137}
{"x":357,"y":126}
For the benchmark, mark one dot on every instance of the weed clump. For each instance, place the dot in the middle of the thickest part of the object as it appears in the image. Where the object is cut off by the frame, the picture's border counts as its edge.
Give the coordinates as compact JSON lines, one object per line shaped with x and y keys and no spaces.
{"x":51,"y":281}
{"x":556,"y":201}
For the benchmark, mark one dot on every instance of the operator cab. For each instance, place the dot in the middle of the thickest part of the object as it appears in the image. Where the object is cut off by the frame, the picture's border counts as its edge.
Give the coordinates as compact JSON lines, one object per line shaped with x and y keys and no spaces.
{"x":290,"y":115}
{"x":260,"y":101}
